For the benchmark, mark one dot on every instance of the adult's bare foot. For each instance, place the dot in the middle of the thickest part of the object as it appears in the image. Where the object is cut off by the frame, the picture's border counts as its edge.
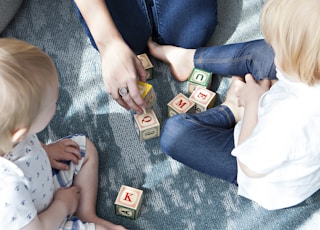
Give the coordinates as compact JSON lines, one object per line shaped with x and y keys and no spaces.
{"x":232,"y":99}
{"x":180,"y":60}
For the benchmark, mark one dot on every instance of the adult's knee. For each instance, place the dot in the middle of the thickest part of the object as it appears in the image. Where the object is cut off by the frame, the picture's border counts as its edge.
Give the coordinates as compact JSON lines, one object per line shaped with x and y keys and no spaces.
{"x":190,"y":25}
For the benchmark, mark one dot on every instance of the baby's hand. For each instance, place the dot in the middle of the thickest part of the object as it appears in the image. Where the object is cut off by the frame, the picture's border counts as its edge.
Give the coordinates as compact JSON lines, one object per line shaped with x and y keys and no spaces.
{"x":252,"y":90}
{"x":70,"y":197}
{"x":63,"y":150}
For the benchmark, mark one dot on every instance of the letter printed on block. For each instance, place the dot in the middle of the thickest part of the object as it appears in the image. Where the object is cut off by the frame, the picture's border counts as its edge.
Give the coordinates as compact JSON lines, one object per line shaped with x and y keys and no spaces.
{"x":147,"y":125}
{"x":128,"y":202}
{"x":147,"y":64}
{"x":180,"y":104}
{"x":198,"y":77}
{"x":203,"y":99}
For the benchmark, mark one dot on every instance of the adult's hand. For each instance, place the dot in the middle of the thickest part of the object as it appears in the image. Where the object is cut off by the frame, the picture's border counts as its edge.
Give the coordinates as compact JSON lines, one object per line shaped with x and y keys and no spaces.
{"x":120,"y":66}
{"x":121,"y":69}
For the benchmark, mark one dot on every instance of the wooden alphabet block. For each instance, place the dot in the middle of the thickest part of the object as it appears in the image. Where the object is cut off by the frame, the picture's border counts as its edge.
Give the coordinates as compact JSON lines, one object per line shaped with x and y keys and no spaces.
{"x":147,"y":93}
{"x":128,"y":202}
{"x":147,"y":125}
{"x":146,"y":63}
{"x":203,"y":98}
{"x":180,"y":104}
{"x":198,"y":77}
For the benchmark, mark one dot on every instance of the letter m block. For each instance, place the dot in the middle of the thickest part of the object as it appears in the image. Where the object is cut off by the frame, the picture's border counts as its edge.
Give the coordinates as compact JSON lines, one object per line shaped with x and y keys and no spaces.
{"x":180,"y":104}
{"x":128,"y":202}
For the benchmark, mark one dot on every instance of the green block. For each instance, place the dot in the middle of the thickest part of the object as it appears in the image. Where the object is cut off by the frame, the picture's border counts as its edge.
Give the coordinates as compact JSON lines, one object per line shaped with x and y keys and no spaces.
{"x":126,"y":212}
{"x":198,"y":77}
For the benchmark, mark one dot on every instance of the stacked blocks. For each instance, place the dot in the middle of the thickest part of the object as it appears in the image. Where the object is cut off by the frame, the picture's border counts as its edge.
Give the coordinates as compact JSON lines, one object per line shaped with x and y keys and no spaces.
{"x":146,"y":63}
{"x":200,"y":97}
{"x":203,"y":99}
{"x":198,"y":77}
{"x":180,"y":104}
{"x":147,"y":125}
{"x":128,"y":202}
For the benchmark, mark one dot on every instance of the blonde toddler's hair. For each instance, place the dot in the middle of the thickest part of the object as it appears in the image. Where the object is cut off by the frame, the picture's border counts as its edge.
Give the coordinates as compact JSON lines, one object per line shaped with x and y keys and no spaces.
{"x":291,"y":27}
{"x":23,"y":81}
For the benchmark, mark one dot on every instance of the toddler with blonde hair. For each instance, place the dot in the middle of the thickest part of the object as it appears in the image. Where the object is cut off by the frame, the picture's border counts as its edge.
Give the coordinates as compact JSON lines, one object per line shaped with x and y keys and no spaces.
{"x":32,"y":195}
{"x":265,"y":137}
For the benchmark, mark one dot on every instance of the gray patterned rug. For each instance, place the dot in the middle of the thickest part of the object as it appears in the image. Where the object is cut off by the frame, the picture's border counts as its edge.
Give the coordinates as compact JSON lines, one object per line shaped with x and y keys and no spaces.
{"x":176,"y":197}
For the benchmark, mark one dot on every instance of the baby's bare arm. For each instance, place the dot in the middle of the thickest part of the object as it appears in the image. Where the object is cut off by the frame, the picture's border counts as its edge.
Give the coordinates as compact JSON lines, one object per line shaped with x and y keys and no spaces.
{"x":249,"y":97}
{"x":65,"y":203}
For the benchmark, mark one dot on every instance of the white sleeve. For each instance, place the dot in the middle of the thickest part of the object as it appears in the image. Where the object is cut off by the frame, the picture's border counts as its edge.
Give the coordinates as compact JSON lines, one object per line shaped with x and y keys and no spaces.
{"x":16,"y":206}
{"x":273,"y":141}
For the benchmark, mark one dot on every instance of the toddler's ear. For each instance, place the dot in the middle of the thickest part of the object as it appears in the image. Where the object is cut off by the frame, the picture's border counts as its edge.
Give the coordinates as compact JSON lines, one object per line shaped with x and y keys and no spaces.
{"x":18,"y":135}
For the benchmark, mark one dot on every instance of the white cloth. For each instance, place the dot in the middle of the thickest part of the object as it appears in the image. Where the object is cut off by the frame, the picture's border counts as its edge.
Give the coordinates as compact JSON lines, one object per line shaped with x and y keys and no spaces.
{"x":26,"y":183}
{"x":285,"y":146}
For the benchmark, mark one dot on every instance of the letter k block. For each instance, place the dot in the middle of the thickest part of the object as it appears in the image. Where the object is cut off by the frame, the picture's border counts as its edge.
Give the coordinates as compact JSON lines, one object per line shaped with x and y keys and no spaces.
{"x":128,"y":202}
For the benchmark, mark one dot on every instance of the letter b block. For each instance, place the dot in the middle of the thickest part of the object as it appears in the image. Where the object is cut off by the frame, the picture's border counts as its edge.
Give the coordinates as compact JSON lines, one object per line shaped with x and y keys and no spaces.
{"x":146,"y":63}
{"x":198,"y":77}
{"x":180,"y":104}
{"x":128,"y":202}
{"x":147,"y":125}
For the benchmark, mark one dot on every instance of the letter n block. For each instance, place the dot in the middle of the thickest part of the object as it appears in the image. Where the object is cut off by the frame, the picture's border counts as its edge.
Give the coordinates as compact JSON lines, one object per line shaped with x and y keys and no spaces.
{"x":147,"y":93}
{"x":198,"y":77}
{"x":180,"y":104}
{"x":128,"y":202}
{"x":203,"y":98}
{"x":146,"y":63}
{"x":147,"y":125}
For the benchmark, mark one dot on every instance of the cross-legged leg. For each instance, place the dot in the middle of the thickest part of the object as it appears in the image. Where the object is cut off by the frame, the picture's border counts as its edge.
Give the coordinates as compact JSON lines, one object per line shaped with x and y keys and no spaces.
{"x":204,"y":141}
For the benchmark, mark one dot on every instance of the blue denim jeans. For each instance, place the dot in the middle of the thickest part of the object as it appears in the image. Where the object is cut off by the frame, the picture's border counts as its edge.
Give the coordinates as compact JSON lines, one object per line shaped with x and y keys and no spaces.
{"x":255,"y":57}
{"x":202,"y":141}
{"x":187,"y":23}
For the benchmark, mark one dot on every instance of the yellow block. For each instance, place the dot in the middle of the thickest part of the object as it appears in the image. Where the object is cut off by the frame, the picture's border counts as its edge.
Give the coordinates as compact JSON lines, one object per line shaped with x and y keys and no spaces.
{"x":147,"y":93}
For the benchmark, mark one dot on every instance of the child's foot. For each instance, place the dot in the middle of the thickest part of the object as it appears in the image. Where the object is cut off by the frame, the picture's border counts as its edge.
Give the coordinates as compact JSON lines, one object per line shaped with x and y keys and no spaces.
{"x":104,"y":224}
{"x":232,"y":99}
{"x":180,"y":60}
